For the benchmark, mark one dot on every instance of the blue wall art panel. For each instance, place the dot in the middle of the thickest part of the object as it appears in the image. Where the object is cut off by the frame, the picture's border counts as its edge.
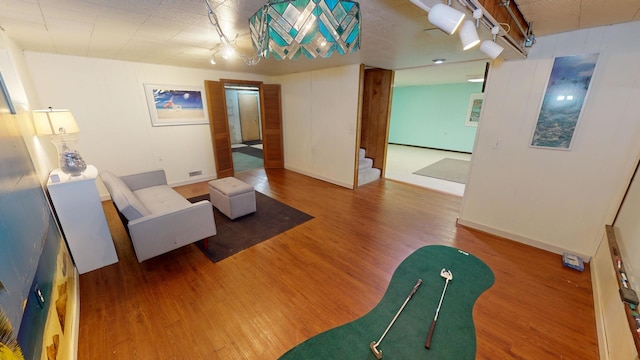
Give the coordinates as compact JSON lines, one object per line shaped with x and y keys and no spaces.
{"x":563,"y":100}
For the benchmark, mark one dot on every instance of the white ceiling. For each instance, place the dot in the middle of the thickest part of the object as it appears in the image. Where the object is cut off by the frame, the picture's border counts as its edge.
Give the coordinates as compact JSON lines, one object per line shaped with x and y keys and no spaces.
{"x":395,"y":33}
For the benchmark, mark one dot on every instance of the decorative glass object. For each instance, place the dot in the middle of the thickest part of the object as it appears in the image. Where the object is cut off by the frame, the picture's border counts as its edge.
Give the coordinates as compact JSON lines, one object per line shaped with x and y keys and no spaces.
{"x":70,"y":160}
{"x":63,"y":129}
{"x":286,"y":29}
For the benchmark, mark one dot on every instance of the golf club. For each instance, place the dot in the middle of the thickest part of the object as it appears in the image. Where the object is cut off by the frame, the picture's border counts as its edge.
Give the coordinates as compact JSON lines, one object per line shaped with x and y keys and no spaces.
{"x":448,"y":276}
{"x":374,"y":345}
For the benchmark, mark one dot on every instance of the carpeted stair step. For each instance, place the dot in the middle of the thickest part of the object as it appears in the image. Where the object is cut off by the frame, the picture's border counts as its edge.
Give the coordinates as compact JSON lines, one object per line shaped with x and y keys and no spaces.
{"x":368,"y":175}
{"x":365,"y":163}
{"x":362,"y":153}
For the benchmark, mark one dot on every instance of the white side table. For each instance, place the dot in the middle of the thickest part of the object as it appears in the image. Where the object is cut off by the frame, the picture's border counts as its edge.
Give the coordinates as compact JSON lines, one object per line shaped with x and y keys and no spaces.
{"x":79,"y":209}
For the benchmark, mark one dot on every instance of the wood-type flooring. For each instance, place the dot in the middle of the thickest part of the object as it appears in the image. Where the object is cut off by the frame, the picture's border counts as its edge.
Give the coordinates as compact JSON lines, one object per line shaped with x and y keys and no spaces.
{"x":328,"y":271}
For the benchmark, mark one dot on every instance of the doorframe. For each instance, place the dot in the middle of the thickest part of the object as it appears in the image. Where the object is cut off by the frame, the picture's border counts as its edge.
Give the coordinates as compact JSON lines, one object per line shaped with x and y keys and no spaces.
{"x":265,"y":139}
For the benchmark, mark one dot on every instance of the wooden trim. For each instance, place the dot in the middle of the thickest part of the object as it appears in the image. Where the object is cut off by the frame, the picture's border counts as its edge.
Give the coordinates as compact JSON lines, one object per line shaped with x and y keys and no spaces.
{"x":219,"y":128}
{"x":615,"y":257}
{"x":272,"y":137}
{"x":376,"y":113}
{"x":358,"y":127}
{"x":501,"y":15}
{"x":241,"y":82}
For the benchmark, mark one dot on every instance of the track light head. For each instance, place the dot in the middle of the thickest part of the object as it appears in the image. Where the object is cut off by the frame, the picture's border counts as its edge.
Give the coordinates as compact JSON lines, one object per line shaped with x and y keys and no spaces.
{"x":491,"y":49}
{"x":443,"y":16}
{"x":446,"y":18}
{"x":468,"y":35}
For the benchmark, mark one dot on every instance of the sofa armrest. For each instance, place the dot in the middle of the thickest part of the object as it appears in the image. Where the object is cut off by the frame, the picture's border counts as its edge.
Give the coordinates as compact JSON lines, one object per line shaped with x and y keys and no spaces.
{"x":159,"y":233}
{"x":145,"y":179}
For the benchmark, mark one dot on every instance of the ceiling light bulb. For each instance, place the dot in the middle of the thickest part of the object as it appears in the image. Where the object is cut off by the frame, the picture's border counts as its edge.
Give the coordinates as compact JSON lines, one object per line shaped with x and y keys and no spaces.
{"x":468,"y":35}
{"x":438,"y":61}
{"x":212,"y":60}
{"x":228,"y":52}
{"x":475,"y":78}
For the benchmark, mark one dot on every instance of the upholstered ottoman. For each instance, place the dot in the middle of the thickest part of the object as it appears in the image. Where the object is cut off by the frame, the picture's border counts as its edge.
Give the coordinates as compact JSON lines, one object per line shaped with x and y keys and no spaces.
{"x":232,"y":197}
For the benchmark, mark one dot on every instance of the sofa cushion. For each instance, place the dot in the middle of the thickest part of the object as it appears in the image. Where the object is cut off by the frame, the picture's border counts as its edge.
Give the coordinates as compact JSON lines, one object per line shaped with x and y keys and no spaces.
{"x":161,"y":199}
{"x":126,"y":201}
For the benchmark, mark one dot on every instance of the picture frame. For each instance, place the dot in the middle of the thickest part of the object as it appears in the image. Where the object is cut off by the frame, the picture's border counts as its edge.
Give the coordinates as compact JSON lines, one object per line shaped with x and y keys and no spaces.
{"x":172,"y":105}
{"x":564,"y":98}
{"x":473,"y":111}
{"x":6,"y":105}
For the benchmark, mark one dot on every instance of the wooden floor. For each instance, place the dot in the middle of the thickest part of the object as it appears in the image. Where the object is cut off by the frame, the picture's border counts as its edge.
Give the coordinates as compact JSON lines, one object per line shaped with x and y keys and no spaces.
{"x":326,"y":272}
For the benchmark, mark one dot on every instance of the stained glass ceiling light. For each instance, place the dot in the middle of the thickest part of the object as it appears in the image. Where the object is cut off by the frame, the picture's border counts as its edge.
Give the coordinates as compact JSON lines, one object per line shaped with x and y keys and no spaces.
{"x":286,"y":29}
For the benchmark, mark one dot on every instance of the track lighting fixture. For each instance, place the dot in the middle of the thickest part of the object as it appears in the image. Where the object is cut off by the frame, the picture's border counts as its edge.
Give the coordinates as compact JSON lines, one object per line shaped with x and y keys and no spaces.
{"x":443,"y":16}
{"x":468,"y":35}
{"x":491,"y":49}
{"x":449,"y":19}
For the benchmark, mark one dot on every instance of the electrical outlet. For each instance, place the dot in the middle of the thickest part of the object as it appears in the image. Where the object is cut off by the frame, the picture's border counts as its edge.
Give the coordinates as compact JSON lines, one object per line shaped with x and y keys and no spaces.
{"x":195,"y":173}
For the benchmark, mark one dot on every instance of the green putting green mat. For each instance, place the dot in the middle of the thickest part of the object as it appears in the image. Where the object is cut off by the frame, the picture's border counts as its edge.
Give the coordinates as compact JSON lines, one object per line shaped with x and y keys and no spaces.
{"x":454,"y":335}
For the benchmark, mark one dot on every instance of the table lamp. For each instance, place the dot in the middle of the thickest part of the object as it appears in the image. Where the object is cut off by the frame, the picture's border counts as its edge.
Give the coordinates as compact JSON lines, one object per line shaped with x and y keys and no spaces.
{"x":63,"y":129}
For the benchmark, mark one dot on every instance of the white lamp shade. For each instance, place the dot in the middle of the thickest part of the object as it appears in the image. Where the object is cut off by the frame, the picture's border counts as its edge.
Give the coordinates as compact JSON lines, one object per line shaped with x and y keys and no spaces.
{"x":491,"y":49}
{"x":54,"y":122}
{"x":468,"y":35}
{"x":446,"y":18}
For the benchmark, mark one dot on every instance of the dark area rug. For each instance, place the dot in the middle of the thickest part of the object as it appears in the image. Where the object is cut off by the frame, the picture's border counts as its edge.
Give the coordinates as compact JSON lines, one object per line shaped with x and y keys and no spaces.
{"x":447,"y":169}
{"x":270,"y":219}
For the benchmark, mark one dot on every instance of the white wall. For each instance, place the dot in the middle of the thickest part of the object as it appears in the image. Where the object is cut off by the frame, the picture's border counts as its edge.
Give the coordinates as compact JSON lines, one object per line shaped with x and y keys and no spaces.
{"x":22,"y":91}
{"x":320,"y":119}
{"x":108,"y":101}
{"x":552,"y":199}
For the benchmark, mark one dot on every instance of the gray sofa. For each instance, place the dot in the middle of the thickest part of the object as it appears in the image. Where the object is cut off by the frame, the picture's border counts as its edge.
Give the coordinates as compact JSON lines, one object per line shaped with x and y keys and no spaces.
{"x":157,"y":218}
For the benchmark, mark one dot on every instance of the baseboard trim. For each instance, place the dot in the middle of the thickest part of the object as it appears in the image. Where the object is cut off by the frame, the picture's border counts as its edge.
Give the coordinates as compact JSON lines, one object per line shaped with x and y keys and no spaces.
{"x":193,"y":180}
{"x":521,"y":239}
{"x":319,"y":177}
{"x":599,"y":310}
{"x":431,"y":148}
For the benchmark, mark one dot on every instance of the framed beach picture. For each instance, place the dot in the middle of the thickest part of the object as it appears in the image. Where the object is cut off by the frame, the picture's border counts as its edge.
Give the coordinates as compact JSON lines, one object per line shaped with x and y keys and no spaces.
{"x":566,"y":92}
{"x":473,"y":112}
{"x":171,"y":105}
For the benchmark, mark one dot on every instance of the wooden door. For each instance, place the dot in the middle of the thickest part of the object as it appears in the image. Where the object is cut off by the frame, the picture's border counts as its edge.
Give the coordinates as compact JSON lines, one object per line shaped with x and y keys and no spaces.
{"x":249,"y":116}
{"x":376,"y":112}
{"x":272,"y":143}
{"x":219,"y":126}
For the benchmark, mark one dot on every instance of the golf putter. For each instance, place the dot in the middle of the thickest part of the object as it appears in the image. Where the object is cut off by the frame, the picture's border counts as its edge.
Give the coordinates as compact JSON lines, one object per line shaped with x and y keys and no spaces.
{"x":374,"y":345}
{"x":448,"y":276}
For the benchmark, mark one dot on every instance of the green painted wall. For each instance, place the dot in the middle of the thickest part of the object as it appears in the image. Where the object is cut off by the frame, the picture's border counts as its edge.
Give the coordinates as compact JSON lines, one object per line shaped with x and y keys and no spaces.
{"x":433,"y":116}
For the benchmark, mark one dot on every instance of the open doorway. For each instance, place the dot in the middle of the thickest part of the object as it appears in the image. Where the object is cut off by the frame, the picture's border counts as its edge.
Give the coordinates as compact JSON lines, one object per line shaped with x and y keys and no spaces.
{"x":245,"y":130}
{"x":433,"y":125}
